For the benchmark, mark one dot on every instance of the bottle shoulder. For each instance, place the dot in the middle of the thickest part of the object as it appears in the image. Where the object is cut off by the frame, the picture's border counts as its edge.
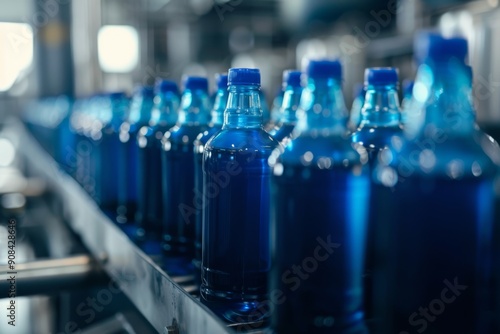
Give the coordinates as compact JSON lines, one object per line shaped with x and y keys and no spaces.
{"x":376,"y":137}
{"x":242,"y":138}
{"x":445,"y":156}
{"x":323,"y":152}
{"x":204,"y":136}
{"x":184,"y":132}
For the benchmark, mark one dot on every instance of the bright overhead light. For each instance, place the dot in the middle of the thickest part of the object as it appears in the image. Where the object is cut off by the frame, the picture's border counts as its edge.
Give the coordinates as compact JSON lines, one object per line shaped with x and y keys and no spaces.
{"x":16,"y":52}
{"x":118,"y":48}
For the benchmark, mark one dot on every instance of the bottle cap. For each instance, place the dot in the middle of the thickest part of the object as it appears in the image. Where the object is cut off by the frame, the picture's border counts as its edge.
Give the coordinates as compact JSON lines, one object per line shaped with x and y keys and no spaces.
{"x":221,"y":80}
{"x":381,"y":76}
{"x":435,"y":47}
{"x":291,"y":78}
{"x":164,"y":86}
{"x":244,"y":76}
{"x":324,"y":69}
{"x":193,"y":83}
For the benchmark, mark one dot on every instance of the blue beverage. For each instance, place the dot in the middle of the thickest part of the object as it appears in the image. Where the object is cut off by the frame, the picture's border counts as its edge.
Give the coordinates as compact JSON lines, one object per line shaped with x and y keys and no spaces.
{"x":321,"y":189}
{"x":139,"y":115}
{"x":114,"y":109}
{"x":291,"y":100}
{"x":359,"y":93}
{"x":437,"y":246}
{"x":236,"y":186}
{"x":380,"y":126}
{"x":163,"y":117}
{"x":199,"y":147}
{"x":179,"y":200}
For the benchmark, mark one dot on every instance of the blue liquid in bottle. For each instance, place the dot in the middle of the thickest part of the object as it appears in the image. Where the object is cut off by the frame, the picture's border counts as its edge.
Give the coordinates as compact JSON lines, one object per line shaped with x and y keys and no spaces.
{"x":321,"y":190}
{"x":291,"y":100}
{"x":114,"y":110}
{"x":437,"y":245}
{"x":179,"y":196}
{"x":380,"y":125}
{"x":163,"y":116}
{"x":139,"y":115}
{"x":199,"y":145}
{"x":236,"y":258}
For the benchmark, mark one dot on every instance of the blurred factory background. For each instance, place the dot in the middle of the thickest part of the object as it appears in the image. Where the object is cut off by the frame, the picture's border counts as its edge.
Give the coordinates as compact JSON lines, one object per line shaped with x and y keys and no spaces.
{"x":52,"y":47}
{"x":79,"y":48}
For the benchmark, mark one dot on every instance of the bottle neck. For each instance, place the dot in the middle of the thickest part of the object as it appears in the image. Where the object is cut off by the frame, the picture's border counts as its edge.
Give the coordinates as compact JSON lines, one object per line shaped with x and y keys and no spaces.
{"x":443,"y":99}
{"x":194,"y":107}
{"x":219,"y":107}
{"x":322,"y":108}
{"x":381,"y":107}
{"x":165,"y":109}
{"x":291,"y":102}
{"x":243,"y":107}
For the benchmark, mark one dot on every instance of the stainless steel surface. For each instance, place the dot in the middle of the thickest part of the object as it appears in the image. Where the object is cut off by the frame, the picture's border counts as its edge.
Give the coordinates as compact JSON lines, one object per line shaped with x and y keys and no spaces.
{"x":162,"y":301}
{"x":46,"y":276}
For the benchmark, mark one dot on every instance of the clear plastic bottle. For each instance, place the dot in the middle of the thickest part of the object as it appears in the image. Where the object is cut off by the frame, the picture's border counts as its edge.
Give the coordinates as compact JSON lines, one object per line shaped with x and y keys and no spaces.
{"x":287,"y":120}
{"x":236,"y":184}
{"x":138,"y":116}
{"x":199,"y":147}
{"x":380,"y":125}
{"x":113,"y":111}
{"x":178,"y":162}
{"x":437,"y":245}
{"x":163,"y":116}
{"x":321,"y":187}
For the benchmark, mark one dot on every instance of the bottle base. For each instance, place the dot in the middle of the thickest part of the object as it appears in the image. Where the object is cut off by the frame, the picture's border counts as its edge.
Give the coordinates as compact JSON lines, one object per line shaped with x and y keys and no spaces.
{"x":243,"y":310}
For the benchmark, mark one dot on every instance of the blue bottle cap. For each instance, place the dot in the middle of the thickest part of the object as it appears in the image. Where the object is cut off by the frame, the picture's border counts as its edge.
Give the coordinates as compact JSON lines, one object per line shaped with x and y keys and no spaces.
{"x":244,"y":76}
{"x":221,"y":80}
{"x":435,"y":47}
{"x":193,"y":83}
{"x":324,"y":69}
{"x":291,"y":78}
{"x":381,"y":76}
{"x":164,"y":86}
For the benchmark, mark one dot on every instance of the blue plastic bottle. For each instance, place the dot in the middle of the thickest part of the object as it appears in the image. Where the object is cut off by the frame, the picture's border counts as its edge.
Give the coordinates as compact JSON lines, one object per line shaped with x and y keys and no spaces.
{"x":438,"y":242}
{"x":163,"y":116}
{"x":380,"y":115}
{"x":321,"y":189}
{"x":291,"y":99}
{"x":139,"y":116}
{"x":114,"y":109}
{"x":199,"y":144}
{"x":380,"y":126}
{"x":236,"y":184}
{"x":179,"y":197}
